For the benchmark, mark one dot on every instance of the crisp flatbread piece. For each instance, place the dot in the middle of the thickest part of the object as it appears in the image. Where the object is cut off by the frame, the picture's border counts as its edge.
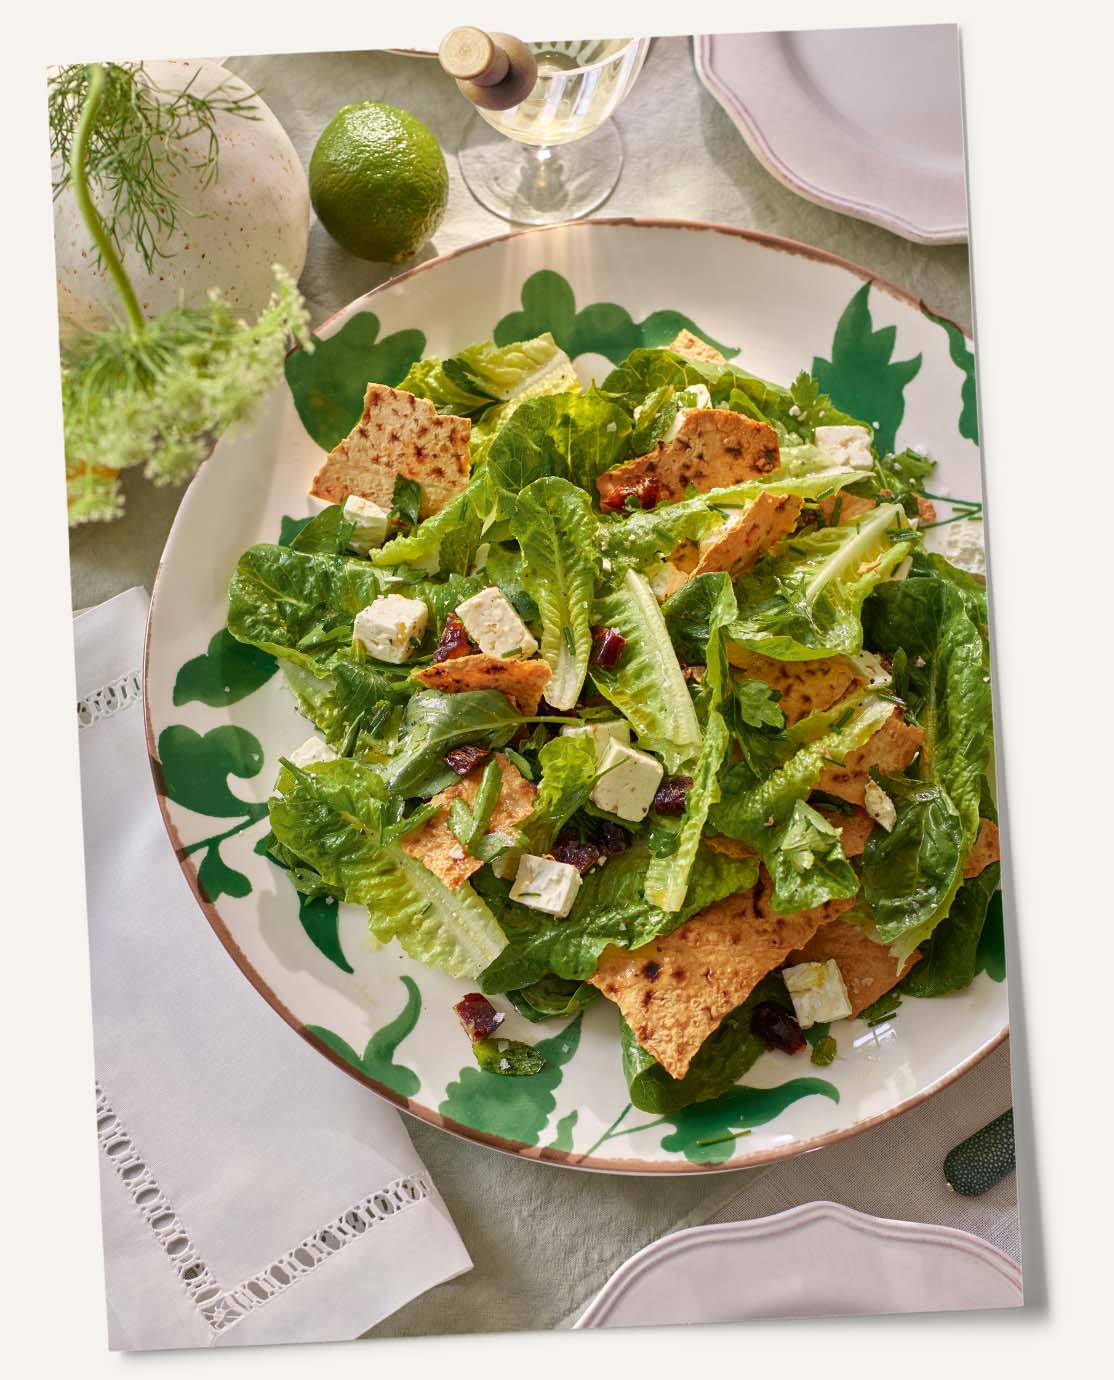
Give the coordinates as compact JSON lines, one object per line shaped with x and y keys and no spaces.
{"x":890,"y":749}
{"x":521,"y":681}
{"x":674,"y":991}
{"x":868,"y":969}
{"x":841,"y":508}
{"x":986,"y":849}
{"x":853,"y":829}
{"x":805,"y":686}
{"x":685,"y":343}
{"x":736,"y":546}
{"x":713,"y":449}
{"x":398,"y":434}
{"x":434,"y":843}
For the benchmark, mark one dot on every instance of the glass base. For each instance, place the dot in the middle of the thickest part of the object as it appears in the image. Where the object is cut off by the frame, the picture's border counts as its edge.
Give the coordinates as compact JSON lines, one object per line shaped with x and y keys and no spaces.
{"x":535,"y":186}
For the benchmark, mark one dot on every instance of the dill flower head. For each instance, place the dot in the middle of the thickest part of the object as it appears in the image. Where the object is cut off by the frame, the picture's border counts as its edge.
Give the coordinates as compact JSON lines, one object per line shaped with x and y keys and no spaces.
{"x":160,"y":398}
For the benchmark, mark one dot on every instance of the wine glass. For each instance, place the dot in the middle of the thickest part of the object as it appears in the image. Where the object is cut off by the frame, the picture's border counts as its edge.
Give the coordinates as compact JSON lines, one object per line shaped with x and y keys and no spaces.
{"x":562,"y":153}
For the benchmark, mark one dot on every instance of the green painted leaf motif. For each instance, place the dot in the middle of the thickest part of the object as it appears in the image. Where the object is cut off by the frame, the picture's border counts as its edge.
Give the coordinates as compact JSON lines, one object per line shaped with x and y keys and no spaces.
{"x":195,"y":771}
{"x":563,"y":1139}
{"x":196,"y":768}
{"x":328,"y":384}
{"x":318,"y":914}
{"x":991,"y":956}
{"x":226,"y":672}
{"x":861,"y":377}
{"x":964,"y":360}
{"x":517,"y":1109}
{"x":602,"y":328}
{"x":713,"y":1122}
{"x":378,"y":1058}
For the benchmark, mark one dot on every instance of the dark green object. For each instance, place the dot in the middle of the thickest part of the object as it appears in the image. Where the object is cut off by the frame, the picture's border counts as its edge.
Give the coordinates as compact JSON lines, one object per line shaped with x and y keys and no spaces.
{"x":378,"y":1058}
{"x":983,"y":1160}
{"x":226,"y":671}
{"x":508,"y":1058}
{"x":964,"y":360}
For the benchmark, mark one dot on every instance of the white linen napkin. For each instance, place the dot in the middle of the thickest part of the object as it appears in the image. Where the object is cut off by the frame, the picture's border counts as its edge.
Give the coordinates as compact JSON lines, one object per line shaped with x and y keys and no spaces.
{"x":250,"y":1191}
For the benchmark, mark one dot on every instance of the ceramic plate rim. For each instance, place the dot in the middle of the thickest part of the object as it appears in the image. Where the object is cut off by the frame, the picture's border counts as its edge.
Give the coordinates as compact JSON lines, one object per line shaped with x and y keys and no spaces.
{"x":750,"y":127}
{"x":540,"y":1154}
{"x":822,"y":1209}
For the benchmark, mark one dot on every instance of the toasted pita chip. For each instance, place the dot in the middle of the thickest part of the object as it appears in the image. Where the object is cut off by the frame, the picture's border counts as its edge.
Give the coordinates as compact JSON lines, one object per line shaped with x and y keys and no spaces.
{"x":674,"y":991}
{"x":685,"y":343}
{"x":853,"y":829}
{"x":736,"y":545}
{"x":868,"y":969}
{"x":926,"y":510}
{"x":398,"y":434}
{"x":436,"y":846}
{"x":850,"y":507}
{"x":713,"y":449}
{"x":805,"y":686}
{"x":890,"y":749}
{"x":985,"y":850}
{"x":521,"y":681}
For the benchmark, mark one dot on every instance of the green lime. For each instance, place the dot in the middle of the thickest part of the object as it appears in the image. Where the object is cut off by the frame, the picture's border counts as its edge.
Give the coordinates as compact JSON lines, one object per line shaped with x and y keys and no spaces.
{"x":378,"y":181}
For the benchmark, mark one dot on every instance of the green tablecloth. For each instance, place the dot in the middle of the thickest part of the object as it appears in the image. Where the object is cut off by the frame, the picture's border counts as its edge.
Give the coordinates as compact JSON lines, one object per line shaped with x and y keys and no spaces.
{"x":543,"y":1238}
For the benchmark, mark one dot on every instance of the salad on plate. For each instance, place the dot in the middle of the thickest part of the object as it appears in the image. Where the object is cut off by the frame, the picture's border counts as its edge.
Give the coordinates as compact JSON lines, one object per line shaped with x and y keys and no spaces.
{"x":648,"y":693}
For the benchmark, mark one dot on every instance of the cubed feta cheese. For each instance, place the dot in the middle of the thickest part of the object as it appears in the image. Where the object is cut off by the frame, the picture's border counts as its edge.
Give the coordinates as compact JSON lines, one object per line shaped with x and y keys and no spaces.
{"x":602,"y":735}
{"x":818,"y":992}
{"x":391,"y":627}
{"x":667,"y":580}
{"x":628,"y":782}
{"x":879,"y":806}
{"x":370,"y":523}
{"x":545,"y":885}
{"x":846,"y":445}
{"x":491,"y":621}
{"x":871,"y":666}
{"x":698,"y":395}
{"x":312,"y":750}
{"x":505,"y":865}
{"x":963,"y":546}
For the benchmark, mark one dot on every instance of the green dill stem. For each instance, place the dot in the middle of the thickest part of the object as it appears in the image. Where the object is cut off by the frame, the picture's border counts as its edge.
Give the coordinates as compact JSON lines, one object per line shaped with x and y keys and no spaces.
{"x":89,"y":215}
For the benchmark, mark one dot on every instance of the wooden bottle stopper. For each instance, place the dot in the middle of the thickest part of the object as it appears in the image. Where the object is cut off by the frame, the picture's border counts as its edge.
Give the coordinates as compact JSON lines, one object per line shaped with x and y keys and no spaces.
{"x":493,"y":70}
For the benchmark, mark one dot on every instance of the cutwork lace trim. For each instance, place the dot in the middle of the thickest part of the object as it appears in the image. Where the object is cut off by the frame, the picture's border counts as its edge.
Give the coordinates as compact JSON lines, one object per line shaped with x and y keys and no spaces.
{"x":223,"y":1308}
{"x":109,"y":699}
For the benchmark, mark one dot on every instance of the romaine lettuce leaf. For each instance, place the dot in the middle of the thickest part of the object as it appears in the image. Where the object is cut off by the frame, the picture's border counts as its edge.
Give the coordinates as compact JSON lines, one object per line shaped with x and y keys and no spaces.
{"x":552,"y":996}
{"x":951,"y":953}
{"x":805,"y":602}
{"x":573,"y":436}
{"x":556,"y":530}
{"x":435,"y":722}
{"x":667,"y":878}
{"x":647,"y":685}
{"x":568,"y":772}
{"x":336,"y":818}
{"x":524,"y":369}
{"x":910,"y":872}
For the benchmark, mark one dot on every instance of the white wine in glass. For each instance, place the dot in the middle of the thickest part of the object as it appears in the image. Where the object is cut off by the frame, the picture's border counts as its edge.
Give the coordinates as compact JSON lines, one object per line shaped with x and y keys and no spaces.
{"x":566,"y":156}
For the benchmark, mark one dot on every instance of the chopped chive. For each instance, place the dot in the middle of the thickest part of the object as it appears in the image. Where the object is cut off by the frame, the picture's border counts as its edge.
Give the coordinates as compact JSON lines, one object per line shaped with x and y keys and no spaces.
{"x":893,"y":699}
{"x":843,"y":719}
{"x":831,"y":761}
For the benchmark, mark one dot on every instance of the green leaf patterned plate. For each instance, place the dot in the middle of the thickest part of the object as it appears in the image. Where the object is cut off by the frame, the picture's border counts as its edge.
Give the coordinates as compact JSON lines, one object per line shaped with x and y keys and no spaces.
{"x":218,"y":716}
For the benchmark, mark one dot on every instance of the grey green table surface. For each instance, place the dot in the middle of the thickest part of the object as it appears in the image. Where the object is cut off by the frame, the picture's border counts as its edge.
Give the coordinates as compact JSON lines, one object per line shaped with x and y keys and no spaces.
{"x":544,"y":1239}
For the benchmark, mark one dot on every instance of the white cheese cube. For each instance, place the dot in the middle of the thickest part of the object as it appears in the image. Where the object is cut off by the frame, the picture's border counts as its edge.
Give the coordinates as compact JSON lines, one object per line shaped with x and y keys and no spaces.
{"x":602,"y":735}
{"x":370,"y":521}
{"x":491,"y":621}
{"x":698,"y":395}
{"x":963,"y":546}
{"x":818,"y":992}
{"x":879,"y":806}
{"x":505,"y":865}
{"x":846,"y":445}
{"x":628,"y":782}
{"x":666,"y":581}
{"x":391,"y":627}
{"x":871,"y":666}
{"x":545,"y":885}
{"x":312,"y":750}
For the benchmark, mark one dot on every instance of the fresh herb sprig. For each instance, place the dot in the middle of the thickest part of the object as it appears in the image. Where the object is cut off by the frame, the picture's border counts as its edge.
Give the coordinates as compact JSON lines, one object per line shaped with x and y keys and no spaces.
{"x":141,"y":145}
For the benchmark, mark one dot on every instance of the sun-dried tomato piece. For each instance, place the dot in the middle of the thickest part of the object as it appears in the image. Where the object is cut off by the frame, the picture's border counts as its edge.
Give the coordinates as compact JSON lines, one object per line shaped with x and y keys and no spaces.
{"x":463,"y":759}
{"x":477,"y":1015}
{"x":647,"y":492}
{"x":608,"y":646}
{"x":777,"y":1028}
{"x":454,"y":641}
{"x":669,"y":799}
{"x":579,"y":854}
